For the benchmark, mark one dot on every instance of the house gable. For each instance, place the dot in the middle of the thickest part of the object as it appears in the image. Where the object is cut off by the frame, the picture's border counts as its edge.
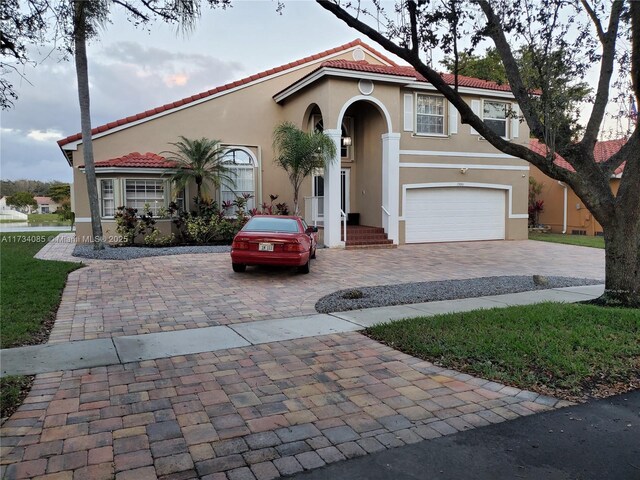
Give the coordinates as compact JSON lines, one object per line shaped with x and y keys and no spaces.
{"x":357,"y":49}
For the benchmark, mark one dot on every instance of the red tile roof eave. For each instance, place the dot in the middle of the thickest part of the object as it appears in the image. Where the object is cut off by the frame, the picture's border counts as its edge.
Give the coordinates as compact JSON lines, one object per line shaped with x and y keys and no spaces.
{"x":228,"y":86}
{"x":137,"y":160}
{"x":603,"y":150}
{"x":400,"y":71}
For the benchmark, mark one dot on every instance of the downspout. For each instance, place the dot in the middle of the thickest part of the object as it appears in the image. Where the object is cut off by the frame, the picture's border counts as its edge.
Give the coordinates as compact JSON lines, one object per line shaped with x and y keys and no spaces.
{"x":564,"y":219}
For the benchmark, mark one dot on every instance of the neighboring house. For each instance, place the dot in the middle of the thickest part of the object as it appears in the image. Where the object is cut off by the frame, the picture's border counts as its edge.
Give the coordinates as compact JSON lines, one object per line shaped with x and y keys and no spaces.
{"x":46,"y":205}
{"x":406,"y":163}
{"x":562,"y":210}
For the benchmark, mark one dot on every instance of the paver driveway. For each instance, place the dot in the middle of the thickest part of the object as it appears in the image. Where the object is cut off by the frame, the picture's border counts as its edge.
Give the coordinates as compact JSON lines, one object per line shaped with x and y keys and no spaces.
{"x":189,"y":291}
{"x":246,"y":413}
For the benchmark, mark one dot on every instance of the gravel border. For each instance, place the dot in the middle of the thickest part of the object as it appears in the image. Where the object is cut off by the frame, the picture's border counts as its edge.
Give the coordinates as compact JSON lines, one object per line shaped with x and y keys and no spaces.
{"x":419,"y":292}
{"x":130,"y":253}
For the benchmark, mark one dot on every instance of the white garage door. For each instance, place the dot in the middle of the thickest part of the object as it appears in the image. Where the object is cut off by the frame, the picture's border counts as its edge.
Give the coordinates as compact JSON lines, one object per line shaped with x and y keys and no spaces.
{"x":454,"y":214}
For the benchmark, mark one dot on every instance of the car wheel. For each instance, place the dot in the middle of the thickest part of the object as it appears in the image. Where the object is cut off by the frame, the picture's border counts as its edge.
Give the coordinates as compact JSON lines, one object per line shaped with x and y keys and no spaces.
{"x":306,"y":267}
{"x":238,"y":267}
{"x":313,"y":255}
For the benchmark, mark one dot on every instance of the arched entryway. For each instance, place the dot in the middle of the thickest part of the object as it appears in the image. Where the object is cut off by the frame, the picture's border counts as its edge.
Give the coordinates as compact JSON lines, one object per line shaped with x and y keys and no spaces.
{"x":363,"y":179}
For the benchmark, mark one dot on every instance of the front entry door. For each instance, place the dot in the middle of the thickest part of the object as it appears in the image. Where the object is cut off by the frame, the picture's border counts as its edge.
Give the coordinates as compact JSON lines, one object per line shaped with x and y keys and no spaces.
{"x":318,"y":189}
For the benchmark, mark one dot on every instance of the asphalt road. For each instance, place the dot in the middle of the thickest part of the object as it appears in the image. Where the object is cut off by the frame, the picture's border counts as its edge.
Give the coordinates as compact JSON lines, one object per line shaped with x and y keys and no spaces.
{"x":598,"y":440}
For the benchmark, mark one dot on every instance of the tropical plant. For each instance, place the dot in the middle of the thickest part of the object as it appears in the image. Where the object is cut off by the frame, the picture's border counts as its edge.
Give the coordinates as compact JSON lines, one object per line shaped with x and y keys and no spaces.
{"x":200,"y":161}
{"x":299,"y":153}
{"x":130,"y":224}
{"x":535,"y":205}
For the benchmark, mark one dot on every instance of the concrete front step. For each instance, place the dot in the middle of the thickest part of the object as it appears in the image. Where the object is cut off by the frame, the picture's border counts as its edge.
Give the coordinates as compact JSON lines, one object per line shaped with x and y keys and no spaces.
{"x":362,"y":238}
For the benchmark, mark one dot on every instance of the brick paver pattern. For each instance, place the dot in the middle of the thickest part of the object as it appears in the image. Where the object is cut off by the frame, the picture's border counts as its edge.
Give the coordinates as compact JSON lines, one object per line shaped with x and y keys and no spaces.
{"x":157,"y":294}
{"x":247,"y":413}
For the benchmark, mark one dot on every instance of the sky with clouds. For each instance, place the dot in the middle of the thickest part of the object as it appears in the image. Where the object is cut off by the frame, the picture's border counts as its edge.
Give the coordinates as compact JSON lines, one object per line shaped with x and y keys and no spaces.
{"x":132,"y":70}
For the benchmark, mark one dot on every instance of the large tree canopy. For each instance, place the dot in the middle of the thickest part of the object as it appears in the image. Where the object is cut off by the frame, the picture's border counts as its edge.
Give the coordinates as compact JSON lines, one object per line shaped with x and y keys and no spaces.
{"x":598,"y":38}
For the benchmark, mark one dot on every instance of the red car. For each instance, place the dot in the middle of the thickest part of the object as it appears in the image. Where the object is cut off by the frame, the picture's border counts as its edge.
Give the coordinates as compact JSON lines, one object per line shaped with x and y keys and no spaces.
{"x":274,"y":240}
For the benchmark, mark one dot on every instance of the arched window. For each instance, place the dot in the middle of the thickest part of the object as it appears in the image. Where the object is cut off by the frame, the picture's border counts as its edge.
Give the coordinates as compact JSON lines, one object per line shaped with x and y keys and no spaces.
{"x":242,"y":170}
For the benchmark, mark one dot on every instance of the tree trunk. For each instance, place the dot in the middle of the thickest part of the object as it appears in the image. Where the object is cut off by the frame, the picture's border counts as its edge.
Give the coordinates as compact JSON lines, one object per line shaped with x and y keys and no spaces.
{"x":296,"y":211}
{"x":198,"y":200}
{"x":82,"y":73}
{"x":622,"y":263}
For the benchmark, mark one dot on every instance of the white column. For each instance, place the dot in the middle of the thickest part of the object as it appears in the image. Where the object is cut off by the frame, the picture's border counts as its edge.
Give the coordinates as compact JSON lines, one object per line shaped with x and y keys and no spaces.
{"x":332,"y":195}
{"x":391,"y":184}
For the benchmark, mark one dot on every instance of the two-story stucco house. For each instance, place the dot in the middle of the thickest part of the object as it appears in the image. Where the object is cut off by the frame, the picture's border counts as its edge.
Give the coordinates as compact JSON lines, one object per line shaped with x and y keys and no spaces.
{"x":407,"y":164}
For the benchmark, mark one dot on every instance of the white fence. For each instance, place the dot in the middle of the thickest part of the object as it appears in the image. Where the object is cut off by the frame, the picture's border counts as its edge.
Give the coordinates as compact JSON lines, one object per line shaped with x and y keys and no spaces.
{"x":10,"y":214}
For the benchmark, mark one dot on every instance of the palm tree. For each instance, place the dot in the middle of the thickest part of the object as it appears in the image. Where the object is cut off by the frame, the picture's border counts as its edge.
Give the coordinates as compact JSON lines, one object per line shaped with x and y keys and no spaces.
{"x":299,"y":153}
{"x":200,"y":161}
{"x":86,"y":16}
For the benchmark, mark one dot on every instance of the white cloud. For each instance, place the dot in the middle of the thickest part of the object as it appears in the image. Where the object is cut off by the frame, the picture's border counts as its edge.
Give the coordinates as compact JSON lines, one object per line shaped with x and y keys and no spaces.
{"x":45,"y":136}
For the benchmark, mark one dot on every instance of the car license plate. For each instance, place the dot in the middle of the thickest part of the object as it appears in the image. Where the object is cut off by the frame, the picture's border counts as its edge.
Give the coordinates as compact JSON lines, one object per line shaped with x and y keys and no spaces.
{"x":265,"y":247}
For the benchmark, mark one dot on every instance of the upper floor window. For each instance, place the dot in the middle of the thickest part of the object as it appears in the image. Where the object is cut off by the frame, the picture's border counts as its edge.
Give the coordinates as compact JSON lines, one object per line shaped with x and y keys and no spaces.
{"x":107,"y":198}
{"x":139,"y":193}
{"x":495,"y":116}
{"x":430,"y":115}
{"x":242,"y":171}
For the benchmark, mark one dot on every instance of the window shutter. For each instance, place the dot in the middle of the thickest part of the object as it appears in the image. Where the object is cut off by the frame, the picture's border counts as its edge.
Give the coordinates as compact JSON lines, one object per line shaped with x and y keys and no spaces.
{"x":515,"y":121}
{"x":475,"y":107}
{"x":453,"y":119}
{"x":408,"y":112}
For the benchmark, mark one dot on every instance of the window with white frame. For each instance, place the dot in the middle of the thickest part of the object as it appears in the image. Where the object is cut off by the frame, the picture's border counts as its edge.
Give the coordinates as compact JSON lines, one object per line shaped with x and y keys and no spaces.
{"x":495,"y":116}
{"x":180,"y":200}
{"x":242,"y":171}
{"x":141,"y":192}
{"x":430,"y":115}
{"x":107,"y":198}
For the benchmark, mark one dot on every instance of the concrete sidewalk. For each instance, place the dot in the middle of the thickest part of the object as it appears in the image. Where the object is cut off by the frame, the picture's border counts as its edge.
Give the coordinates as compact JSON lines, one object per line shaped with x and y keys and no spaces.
{"x":126,"y":349}
{"x":594,"y":441}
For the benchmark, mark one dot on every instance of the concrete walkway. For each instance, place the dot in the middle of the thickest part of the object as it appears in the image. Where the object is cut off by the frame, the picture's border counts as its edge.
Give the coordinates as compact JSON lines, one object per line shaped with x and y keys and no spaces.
{"x":126,"y":349}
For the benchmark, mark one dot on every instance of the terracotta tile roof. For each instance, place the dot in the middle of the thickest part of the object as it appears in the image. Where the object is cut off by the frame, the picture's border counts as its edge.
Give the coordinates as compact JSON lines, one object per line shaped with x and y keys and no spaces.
{"x":43,"y":200}
{"x":602,"y":152}
{"x":403,"y":71}
{"x":228,"y":86}
{"x":137,"y":160}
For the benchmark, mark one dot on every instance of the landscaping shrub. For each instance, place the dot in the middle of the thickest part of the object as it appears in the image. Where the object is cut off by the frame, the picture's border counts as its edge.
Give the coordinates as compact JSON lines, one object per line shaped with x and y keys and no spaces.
{"x":130,"y":224}
{"x":157,"y":239}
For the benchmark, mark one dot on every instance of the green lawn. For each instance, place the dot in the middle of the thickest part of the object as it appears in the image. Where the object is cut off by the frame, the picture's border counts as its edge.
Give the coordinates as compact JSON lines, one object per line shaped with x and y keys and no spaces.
{"x":13,"y":390}
{"x":46,"y":218}
{"x":31,"y":288}
{"x":569,"y":350}
{"x":30,"y":292}
{"x":580,"y":240}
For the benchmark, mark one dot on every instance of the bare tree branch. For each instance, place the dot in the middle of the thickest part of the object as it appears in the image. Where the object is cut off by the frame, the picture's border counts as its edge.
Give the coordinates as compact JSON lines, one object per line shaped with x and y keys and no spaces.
{"x":595,"y":19}
{"x":606,"y":71}
{"x":513,"y":72}
{"x":415,"y":44}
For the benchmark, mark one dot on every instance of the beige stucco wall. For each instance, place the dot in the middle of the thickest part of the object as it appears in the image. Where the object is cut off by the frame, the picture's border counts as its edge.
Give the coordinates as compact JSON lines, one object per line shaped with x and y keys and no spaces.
{"x":248,"y":116}
{"x":578,"y":216}
{"x":245,"y":117}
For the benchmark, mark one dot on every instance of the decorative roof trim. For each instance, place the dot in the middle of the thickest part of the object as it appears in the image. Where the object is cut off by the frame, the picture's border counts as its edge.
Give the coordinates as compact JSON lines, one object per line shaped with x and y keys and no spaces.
{"x":335,"y":72}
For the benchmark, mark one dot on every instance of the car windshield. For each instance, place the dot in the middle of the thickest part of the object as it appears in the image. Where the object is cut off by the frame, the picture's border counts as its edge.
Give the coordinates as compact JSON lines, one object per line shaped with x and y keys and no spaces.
{"x":268,"y":224}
